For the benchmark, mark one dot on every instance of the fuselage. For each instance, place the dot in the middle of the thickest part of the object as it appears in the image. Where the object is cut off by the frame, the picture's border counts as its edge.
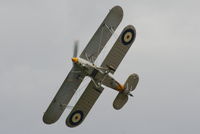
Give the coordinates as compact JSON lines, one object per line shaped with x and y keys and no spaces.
{"x":90,"y":69}
{"x":85,"y":66}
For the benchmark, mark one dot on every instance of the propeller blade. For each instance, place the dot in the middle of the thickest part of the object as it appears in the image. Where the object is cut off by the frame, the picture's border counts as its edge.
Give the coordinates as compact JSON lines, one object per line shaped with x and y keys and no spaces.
{"x":75,"y":49}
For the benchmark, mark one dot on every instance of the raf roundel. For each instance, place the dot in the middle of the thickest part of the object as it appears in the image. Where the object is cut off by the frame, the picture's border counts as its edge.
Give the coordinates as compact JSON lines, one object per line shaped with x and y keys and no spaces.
{"x":128,"y":36}
{"x":76,"y":118}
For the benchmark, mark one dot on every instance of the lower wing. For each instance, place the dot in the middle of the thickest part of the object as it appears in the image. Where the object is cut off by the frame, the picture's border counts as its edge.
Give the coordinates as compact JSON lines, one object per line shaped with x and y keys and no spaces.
{"x":120,"y":48}
{"x":83,"y":106}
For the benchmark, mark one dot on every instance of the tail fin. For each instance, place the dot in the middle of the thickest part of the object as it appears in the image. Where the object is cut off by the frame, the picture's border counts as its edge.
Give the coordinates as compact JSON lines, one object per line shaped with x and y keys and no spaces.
{"x":122,"y":97}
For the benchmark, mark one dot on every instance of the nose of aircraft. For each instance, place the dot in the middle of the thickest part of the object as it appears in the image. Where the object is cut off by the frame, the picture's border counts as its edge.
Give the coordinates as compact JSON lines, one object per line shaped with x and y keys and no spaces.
{"x":75,"y":59}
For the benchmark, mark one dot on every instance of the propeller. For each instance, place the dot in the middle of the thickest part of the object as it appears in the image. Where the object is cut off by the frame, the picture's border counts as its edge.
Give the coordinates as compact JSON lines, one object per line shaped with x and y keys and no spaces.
{"x":75,"y":49}
{"x":75,"y":54}
{"x":75,"y":59}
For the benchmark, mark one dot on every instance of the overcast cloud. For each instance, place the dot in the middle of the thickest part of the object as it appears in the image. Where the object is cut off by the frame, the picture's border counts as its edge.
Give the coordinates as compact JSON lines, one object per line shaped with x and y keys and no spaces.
{"x":36,"y":42}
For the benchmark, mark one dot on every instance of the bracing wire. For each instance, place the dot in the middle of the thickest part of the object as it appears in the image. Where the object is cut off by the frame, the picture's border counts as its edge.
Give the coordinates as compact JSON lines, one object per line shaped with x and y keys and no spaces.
{"x":101,"y":37}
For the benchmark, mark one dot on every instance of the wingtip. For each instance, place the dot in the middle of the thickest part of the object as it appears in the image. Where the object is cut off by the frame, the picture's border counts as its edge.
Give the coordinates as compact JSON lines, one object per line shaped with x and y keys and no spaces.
{"x":118,"y":9}
{"x":47,"y":120}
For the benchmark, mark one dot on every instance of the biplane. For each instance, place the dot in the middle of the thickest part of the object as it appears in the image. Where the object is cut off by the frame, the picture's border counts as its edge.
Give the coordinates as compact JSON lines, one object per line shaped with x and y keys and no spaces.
{"x":100,"y":76}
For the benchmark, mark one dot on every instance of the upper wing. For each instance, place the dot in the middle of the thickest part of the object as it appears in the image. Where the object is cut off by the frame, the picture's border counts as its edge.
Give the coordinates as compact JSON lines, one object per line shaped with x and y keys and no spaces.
{"x":83,"y":106}
{"x":120,"y":48}
{"x":103,"y":34}
{"x":63,"y":96}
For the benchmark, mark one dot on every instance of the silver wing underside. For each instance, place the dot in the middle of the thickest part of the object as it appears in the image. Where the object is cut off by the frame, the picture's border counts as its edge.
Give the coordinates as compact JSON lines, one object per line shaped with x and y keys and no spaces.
{"x":119,"y":49}
{"x":84,"y":104}
{"x":103,"y":34}
{"x":63,"y":96}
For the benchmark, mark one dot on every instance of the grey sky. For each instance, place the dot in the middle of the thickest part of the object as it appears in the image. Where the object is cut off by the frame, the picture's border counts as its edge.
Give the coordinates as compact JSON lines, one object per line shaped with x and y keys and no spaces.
{"x":36,"y":42}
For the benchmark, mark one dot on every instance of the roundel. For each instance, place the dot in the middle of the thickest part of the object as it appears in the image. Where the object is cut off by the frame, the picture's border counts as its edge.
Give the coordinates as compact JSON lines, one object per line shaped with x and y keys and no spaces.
{"x":76,"y":118}
{"x":128,"y":36}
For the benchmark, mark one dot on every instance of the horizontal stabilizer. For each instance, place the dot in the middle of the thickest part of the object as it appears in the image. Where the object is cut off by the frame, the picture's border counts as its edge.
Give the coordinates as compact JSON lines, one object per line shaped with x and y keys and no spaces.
{"x":131,"y":82}
{"x":120,"y":100}
{"x":122,"y":97}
